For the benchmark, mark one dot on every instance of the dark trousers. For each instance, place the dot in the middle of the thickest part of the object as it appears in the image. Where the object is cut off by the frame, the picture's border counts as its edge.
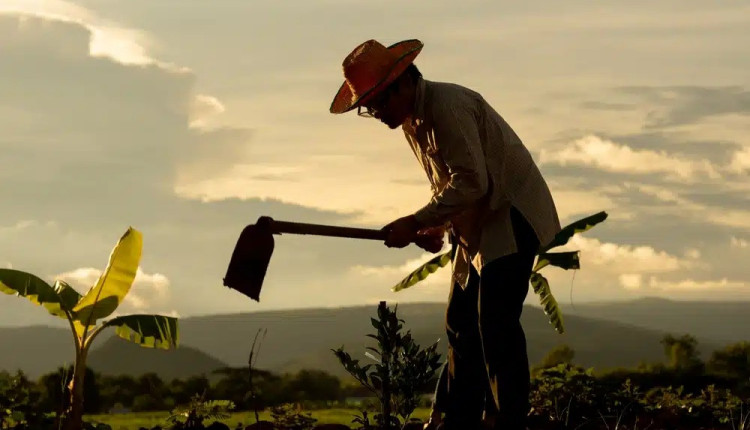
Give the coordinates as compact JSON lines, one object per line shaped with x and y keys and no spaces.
{"x":488,"y":366}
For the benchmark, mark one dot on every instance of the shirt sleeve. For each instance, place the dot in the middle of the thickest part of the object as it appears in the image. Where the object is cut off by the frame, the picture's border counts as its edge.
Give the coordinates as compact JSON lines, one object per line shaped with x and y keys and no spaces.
{"x":457,"y":141}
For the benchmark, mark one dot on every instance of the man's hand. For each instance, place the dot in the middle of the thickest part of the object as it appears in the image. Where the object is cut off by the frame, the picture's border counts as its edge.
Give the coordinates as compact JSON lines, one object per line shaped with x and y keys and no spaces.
{"x":431,"y":238}
{"x":401,"y":232}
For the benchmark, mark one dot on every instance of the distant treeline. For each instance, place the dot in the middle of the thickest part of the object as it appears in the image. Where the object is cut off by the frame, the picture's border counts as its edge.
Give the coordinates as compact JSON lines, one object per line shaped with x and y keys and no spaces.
{"x":149,"y":392}
{"x":726,"y":368}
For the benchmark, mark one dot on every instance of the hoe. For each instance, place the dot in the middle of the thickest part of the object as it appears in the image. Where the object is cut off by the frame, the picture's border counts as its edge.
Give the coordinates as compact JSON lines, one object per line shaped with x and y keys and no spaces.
{"x":252,"y":253}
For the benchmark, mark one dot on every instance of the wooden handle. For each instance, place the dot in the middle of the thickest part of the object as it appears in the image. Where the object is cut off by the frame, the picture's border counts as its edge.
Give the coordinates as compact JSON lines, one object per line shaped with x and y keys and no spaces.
{"x":279,"y":227}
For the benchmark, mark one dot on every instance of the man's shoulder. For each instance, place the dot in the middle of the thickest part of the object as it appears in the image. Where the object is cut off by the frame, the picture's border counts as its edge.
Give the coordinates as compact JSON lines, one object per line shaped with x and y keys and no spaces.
{"x":450,"y":89}
{"x":442,"y":97}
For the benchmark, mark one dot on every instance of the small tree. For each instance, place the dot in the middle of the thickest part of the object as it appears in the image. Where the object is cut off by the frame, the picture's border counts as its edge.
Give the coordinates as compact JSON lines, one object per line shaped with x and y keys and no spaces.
{"x":198,"y":410}
{"x":561,"y":354}
{"x":733,"y":361}
{"x":401,"y":371}
{"x":83,"y":312}
{"x":682,"y":352}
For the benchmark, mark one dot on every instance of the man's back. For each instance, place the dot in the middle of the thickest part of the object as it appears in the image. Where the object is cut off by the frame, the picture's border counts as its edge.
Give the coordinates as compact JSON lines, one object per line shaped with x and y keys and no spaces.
{"x":456,"y":123}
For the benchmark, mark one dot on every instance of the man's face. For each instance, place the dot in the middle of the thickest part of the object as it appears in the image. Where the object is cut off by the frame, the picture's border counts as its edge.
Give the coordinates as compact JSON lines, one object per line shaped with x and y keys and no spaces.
{"x":392,"y":105}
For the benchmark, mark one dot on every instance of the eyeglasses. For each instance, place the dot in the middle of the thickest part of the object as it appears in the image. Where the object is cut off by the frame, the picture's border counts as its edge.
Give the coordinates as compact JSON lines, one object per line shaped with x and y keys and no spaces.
{"x":366,"y":113}
{"x":377,"y":103}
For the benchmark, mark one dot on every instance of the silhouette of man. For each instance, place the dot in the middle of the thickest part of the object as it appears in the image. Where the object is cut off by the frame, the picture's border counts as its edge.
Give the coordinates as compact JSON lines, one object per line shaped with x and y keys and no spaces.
{"x":491,"y":198}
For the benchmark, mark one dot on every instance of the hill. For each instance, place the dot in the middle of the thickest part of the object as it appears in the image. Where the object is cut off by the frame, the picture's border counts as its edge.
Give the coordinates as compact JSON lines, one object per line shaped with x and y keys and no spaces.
{"x":117,"y":356}
{"x":603,"y":335}
{"x":35,"y":349}
{"x":303,"y":338}
{"x":725,"y":322}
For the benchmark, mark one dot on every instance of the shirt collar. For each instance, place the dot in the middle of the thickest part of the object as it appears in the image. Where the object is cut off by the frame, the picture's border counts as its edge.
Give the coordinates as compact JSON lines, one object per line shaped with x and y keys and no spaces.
{"x":419,"y":102}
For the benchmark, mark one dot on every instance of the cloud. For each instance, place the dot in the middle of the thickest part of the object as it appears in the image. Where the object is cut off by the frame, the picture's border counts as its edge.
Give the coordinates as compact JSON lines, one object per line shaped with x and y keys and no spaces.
{"x":737,"y":242}
{"x":631,"y":281}
{"x":334,"y":184}
{"x":23,"y":225}
{"x":684,"y":208}
{"x":148,"y":291}
{"x":203,"y":109}
{"x":125,"y":45}
{"x":607,"y":155}
{"x":740,"y":161}
{"x":616,"y":258}
{"x":682,"y":105}
{"x":656,"y":283}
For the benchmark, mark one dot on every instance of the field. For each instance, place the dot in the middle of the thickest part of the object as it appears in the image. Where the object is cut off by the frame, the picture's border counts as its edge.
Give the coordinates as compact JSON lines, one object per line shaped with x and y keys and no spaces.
{"x":136,"y":420}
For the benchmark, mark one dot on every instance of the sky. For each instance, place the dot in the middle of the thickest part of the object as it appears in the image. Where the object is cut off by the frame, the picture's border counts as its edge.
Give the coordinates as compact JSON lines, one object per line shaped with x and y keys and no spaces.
{"x":188,"y":120}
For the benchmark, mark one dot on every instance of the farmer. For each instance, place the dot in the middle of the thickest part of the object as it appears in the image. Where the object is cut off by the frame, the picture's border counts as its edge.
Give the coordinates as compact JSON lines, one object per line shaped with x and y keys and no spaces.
{"x":490,"y":196}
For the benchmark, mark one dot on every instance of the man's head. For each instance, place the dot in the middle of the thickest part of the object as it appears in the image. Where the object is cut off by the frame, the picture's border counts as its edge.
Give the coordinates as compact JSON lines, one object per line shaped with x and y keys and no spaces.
{"x":394,"y":104}
{"x":380,"y":81}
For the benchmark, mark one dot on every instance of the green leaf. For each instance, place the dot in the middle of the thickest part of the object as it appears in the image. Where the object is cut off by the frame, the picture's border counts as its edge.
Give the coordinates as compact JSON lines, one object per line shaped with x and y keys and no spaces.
{"x":548,"y":302}
{"x":151,"y":331}
{"x":423,"y":271}
{"x":114,"y":284}
{"x":564,"y":235}
{"x":565,"y":260}
{"x":16,"y":282}
{"x":69,"y":297}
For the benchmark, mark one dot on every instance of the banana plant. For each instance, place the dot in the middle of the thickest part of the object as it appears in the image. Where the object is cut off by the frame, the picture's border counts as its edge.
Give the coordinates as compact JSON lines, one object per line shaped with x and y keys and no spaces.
{"x":565,"y":260}
{"x":83,"y":312}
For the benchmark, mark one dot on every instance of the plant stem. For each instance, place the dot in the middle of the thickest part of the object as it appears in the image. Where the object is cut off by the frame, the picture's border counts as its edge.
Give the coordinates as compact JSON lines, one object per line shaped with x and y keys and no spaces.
{"x":74,"y":419}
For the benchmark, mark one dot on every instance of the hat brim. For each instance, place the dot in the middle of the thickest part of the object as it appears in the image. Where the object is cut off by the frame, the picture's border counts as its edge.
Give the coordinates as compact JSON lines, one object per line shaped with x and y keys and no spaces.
{"x":406,"y":50}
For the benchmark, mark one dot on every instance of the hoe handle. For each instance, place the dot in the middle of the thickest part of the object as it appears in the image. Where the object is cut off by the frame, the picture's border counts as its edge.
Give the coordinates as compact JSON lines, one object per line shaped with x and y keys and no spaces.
{"x":278,"y":227}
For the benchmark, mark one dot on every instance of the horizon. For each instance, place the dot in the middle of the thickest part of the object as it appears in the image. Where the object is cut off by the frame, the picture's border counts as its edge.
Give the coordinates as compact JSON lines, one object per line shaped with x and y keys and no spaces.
{"x":566,"y":308}
{"x":116,"y":114}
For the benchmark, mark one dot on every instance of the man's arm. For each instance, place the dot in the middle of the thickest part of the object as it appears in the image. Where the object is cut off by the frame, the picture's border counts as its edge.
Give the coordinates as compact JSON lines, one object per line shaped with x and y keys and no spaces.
{"x":457,"y":139}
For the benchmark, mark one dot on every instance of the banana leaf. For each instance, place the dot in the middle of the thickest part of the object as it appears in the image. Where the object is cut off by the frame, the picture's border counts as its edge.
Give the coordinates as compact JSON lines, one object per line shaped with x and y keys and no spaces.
{"x":33,"y":288}
{"x":423,"y":271}
{"x":150,"y":331}
{"x":115,"y":282}
{"x":548,"y":302}
{"x":69,"y":297}
{"x":564,"y":260}
{"x":564,"y":235}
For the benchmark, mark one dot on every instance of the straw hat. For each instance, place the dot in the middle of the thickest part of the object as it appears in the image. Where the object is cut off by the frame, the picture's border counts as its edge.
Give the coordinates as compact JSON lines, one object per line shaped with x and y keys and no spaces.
{"x":370,"y":68}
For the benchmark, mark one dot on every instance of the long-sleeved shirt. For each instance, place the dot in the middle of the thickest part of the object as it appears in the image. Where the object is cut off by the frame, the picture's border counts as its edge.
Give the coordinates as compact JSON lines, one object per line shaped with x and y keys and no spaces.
{"x":478,"y":168}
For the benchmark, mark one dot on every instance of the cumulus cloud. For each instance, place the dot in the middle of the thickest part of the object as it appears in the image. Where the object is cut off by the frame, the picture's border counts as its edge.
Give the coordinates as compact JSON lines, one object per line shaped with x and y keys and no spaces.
{"x":149,"y":290}
{"x":738,"y":242}
{"x":616,"y":258}
{"x":204,"y":108}
{"x":125,"y":45}
{"x":658,"y":284}
{"x":740,"y":161}
{"x":607,"y":155}
{"x":631,"y":281}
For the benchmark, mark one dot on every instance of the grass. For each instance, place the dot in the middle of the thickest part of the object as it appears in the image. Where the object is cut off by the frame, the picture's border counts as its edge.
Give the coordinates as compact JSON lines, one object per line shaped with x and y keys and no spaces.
{"x":136,"y":420}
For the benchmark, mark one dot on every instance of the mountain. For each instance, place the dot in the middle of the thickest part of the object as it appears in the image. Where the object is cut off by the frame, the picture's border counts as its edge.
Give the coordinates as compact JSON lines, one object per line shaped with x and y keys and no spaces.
{"x":725,"y":322}
{"x":35,"y":349}
{"x":599,"y":343}
{"x":117,"y":356}
{"x":603,"y":335}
